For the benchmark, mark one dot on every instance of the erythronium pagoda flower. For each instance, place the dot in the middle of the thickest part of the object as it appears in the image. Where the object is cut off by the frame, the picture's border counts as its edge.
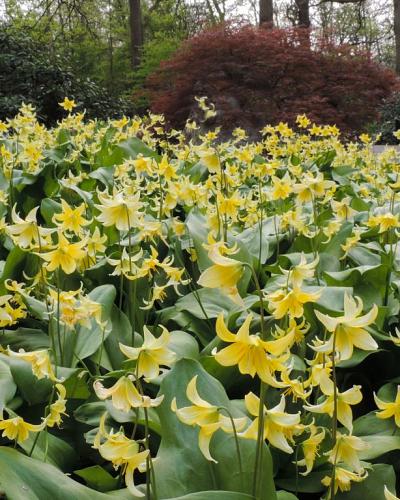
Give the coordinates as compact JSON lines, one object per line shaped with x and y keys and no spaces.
{"x":301,"y":271}
{"x":207,"y":416}
{"x":17,"y":429}
{"x":279,"y":427}
{"x":389,"y":409}
{"x":25,"y":232}
{"x":224,"y":273}
{"x":120,"y":211}
{"x":121,"y":452}
{"x":68,"y":104}
{"x":71,"y":219}
{"x":249,"y":352}
{"x":310,"y":447}
{"x":66,"y":255}
{"x":39,"y":360}
{"x":290,"y":301}
{"x":344,"y":478}
{"x":345,"y":400}
{"x":348,"y":330}
{"x":152,"y":354}
{"x":57,"y":409}
{"x":346,"y":451}
{"x":124,"y":395}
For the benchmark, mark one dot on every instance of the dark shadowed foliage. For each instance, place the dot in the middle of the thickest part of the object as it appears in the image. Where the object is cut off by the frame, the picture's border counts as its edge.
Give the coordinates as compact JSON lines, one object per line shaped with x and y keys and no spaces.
{"x":256,"y":76}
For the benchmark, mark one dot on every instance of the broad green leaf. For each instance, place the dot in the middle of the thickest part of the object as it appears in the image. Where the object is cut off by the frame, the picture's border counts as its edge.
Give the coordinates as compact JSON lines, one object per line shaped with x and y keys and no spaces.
{"x":215,"y":495}
{"x":378,"y":445}
{"x":181,"y":468}
{"x":31,"y":388}
{"x":98,"y":478}
{"x":7,"y":386}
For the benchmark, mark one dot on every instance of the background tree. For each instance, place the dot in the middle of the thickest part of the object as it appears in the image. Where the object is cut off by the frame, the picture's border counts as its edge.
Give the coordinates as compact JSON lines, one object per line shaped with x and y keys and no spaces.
{"x":267,"y":13}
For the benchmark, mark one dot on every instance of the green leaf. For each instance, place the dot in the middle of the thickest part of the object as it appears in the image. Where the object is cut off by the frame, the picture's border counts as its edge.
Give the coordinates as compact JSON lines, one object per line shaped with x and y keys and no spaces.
{"x":183,"y":344}
{"x":7,"y":386}
{"x":378,"y":445}
{"x":25,"y":478}
{"x":31,"y":388}
{"x":180,"y":467}
{"x":215,"y":495}
{"x":285,"y":495}
{"x":98,"y":478}
{"x":13,"y":267}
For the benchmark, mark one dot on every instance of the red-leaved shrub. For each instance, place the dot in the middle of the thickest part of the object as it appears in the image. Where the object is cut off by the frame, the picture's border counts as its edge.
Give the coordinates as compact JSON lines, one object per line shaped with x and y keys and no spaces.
{"x":256,"y":76}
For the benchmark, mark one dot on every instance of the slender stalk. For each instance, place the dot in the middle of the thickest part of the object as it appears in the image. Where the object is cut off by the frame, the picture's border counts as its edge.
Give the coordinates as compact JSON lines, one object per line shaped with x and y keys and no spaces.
{"x":235,"y":434}
{"x":334,"y":416}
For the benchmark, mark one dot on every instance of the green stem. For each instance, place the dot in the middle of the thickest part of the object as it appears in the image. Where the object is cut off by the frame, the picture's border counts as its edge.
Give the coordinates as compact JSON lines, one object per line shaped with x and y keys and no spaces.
{"x":334,"y":416}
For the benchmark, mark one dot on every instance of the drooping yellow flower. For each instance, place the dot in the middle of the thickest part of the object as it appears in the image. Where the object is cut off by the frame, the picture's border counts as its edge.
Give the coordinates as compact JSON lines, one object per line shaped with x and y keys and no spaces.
{"x":348,"y":330}
{"x":123,"y":212}
{"x":17,"y":429}
{"x":384,"y":221}
{"x":344,"y":478}
{"x":121,"y":452}
{"x":279,"y":426}
{"x":346,"y":451}
{"x":26,"y":232}
{"x":65,"y":255}
{"x":345,"y":400}
{"x":207,"y":416}
{"x":281,"y":188}
{"x":152,"y":354}
{"x":124,"y":395}
{"x":248,"y":352}
{"x":389,"y":409}
{"x":39,"y":360}
{"x":310,"y":448}
{"x":224,"y":273}
{"x":71,"y":219}
{"x":301,"y":271}
{"x":68,"y":104}
{"x":290,"y":302}
{"x":312,"y":187}
{"x":57,"y":409}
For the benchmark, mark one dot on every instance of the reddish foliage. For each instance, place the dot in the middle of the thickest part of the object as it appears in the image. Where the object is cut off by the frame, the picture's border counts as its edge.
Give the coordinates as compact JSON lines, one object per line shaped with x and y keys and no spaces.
{"x":256,"y":76}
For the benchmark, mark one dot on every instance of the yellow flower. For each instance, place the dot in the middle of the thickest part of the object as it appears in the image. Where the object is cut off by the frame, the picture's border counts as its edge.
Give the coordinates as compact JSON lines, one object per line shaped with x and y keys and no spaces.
{"x":153,"y":353}
{"x":57,"y":409}
{"x":27,"y":232}
{"x":68,"y":104}
{"x":279,"y":427}
{"x":348,"y":330}
{"x":124,"y":395}
{"x":302,"y":121}
{"x":389,"y":409}
{"x":247,"y":351}
{"x":384,"y":221}
{"x":70,"y":219}
{"x":345,"y":399}
{"x":310,"y":449}
{"x":39,"y":360}
{"x":206,"y":416}
{"x":290,"y":302}
{"x":346,"y":451}
{"x":17,"y":429}
{"x":122,"y":452}
{"x":224,"y":273}
{"x":343,"y":479}
{"x":301,"y":271}
{"x":66,"y":255}
{"x":281,"y":188}
{"x":120,"y":211}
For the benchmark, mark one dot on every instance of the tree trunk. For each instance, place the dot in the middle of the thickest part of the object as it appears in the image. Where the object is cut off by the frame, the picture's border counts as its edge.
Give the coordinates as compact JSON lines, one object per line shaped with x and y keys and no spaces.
{"x":136,"y":32}
{"x":267,"y":13}
{"x":397,"y":33}
{"x":303,"y":7}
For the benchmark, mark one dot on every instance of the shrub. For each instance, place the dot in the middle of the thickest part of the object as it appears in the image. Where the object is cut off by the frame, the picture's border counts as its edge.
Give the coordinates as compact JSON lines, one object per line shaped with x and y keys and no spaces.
{"x":389,"y":120}
{"x":257,"y":76}
{"x":28,"y":74}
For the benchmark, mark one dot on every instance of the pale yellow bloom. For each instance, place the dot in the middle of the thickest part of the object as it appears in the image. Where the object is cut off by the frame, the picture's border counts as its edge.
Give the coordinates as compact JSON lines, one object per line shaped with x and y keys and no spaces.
{"x":389,"y":409}
{"x":57,"y":409}
{"x":290,"y":302}
{"x":152,"y":354}
{"x":310,"y":449}
{"x":207,"y":416}
{"x":346,"y":451}
{"x":343,"y":479}
{"x":17,"y":429}
{"x":348,"y":330}
{"x":124,"y":395}
{"x":345,"y":400}
{"x":279,"y":426}
{"x":39,"y":360}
